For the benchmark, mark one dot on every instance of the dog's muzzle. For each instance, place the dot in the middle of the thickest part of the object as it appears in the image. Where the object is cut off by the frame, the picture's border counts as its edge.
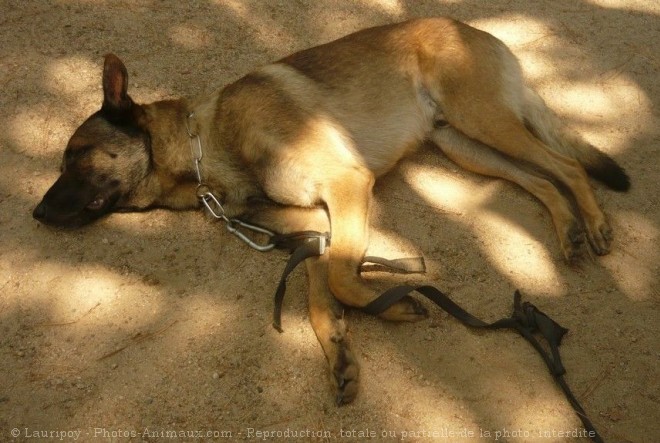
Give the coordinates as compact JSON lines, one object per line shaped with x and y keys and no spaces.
{"x":40,"y":212}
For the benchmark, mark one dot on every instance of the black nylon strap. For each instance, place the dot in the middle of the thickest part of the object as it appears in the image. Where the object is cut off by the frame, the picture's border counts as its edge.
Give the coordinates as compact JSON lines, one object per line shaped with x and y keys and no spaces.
{"x":408,"y":265}
{"x":526,"y":319}
{"x":306,"y":244}
{"x":392,"y":295}
{"x":311,"y":247}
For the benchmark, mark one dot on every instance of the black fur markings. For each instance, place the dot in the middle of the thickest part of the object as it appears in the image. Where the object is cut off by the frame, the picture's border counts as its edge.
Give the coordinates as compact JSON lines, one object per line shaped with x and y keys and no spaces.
{"x":608,"y":172}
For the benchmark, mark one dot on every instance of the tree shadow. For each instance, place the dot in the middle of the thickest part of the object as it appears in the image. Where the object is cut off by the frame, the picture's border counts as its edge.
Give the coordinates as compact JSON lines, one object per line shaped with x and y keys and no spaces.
{"x":51,"y":58}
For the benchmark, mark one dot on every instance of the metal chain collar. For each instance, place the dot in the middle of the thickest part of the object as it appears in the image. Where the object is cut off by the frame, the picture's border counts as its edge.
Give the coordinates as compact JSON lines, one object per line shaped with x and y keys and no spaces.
{"x":212,"y":203}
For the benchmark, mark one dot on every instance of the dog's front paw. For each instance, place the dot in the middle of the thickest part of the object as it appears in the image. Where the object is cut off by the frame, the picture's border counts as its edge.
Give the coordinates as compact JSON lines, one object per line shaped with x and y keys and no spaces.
{"x":345,"y":372}
{"x":406,"y":309}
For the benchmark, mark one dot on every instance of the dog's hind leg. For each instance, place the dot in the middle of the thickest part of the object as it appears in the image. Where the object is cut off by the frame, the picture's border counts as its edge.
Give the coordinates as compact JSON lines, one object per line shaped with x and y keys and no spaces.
{"x":482,"y":94}
{"x":507,"y":134}
{"x":497,"y":121}
{"x":477,"y":157}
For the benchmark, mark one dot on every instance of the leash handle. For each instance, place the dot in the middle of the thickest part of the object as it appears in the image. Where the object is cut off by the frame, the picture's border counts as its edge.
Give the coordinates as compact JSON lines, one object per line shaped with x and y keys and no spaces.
{"x":526,"y":319}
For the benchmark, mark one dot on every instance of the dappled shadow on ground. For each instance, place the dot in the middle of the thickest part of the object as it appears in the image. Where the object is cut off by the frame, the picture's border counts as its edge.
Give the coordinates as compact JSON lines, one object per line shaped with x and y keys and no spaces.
{"x":161,"y":320}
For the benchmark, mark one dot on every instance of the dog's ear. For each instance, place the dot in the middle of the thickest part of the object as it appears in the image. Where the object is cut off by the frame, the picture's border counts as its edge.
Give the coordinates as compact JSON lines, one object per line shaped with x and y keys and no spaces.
{"x":116,"y":102}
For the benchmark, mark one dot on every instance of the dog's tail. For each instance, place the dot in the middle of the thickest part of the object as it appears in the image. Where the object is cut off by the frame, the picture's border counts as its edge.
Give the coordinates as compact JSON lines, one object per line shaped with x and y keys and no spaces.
{"x":545,"y":125}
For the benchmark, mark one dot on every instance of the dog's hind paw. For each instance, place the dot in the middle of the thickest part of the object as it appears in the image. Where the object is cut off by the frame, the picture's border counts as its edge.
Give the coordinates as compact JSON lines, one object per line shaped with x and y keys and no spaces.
{"x":600,"y":237}
{"x":572,"y":242}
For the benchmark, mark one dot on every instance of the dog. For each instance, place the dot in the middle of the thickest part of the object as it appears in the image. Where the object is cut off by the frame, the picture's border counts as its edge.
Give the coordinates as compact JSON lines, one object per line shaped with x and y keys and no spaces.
{"x":297,"y":145}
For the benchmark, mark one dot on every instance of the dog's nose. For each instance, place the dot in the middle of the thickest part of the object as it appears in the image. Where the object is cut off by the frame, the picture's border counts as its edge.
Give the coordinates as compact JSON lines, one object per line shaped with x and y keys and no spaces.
{"x":39,"y":212}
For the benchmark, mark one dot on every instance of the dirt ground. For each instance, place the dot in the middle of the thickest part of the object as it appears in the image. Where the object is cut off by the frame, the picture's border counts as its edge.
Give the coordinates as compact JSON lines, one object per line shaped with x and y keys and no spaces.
{"x":156,"y":326}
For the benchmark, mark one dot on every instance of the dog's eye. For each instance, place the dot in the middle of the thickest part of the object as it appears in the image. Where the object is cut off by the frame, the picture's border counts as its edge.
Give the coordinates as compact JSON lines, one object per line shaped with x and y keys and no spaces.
{"x":96,"y":204}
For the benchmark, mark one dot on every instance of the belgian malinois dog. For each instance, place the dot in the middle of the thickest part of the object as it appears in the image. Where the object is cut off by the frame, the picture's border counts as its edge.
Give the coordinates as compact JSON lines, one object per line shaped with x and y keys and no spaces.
{"x":297,"y":145}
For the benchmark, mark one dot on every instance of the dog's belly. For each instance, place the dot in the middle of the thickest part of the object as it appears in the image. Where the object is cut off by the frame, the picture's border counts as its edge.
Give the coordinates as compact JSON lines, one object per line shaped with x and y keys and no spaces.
{"x":378,"y":132}
{"x":384,"y":140}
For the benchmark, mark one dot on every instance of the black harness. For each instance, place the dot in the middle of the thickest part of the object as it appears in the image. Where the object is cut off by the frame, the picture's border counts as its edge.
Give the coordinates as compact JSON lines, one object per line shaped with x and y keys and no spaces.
{"x":526,"y":319}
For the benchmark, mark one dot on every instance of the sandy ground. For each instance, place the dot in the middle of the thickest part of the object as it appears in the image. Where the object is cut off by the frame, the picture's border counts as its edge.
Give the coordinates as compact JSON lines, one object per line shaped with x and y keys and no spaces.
{"x":148,"y":324}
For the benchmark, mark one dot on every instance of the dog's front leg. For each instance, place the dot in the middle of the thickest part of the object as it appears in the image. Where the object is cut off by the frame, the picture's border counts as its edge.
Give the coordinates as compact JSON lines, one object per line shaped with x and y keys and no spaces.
{"x":327,"y":319}
{"x":325,"y":313}
{"x":348,"y":199}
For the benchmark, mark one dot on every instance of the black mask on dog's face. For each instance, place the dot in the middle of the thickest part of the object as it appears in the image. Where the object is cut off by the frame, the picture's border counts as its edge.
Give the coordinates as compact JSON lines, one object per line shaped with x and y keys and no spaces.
{"x":106,"y":159}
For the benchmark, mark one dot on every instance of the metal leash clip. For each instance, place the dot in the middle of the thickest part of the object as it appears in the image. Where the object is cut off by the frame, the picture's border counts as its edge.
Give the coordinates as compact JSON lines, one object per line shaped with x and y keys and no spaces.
{"x":234,"y":225}
{"x":211,"y":202}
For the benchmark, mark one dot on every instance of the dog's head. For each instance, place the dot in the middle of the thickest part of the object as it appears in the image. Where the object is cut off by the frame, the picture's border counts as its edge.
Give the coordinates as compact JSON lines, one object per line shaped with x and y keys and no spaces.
{"x":105,"y":161}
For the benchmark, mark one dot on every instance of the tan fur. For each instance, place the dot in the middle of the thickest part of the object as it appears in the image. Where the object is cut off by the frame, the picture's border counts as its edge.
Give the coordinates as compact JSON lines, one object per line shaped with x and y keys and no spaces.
{"x":309,"y":135}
